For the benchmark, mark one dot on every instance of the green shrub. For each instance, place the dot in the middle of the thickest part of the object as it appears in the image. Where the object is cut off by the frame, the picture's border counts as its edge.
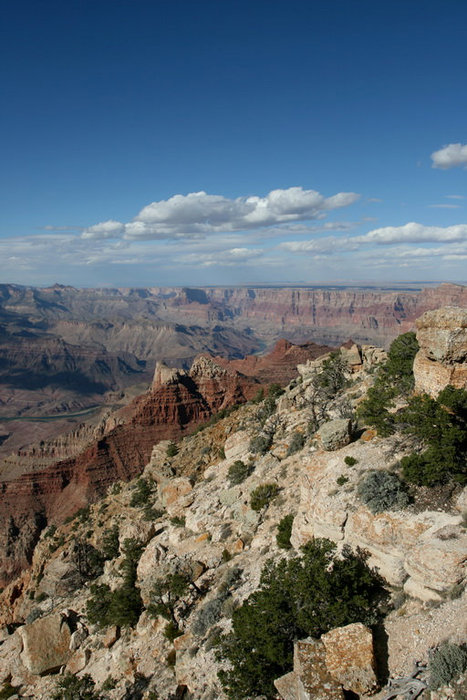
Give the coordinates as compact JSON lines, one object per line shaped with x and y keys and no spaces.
{"x":296,"y":443}
{"x":284,"y":531}
{"x":442,"y":426}
{"x":239,"y":471}
{"x":71,"y":687}
{"x":172,"y":449}
{"x":382,"y":490}
{"x":178,"y":520}
{"x":262,"y":496}
{"x":123,"y":606}
{"x":350,"y":461}
{"x":110,"y":543}
{"x":7,"y":690}
{"x":166,"y":593}
{"x":275,"y":390}
{"x":395,"y":377}
{"x":141,"y":493}
{"x":267,"y":408}
{"x":446,"y":663}
{"x":260,"y":444}
{"x":341,"y":480}
{"x":172,"y":631}
{"x":298,"y":597}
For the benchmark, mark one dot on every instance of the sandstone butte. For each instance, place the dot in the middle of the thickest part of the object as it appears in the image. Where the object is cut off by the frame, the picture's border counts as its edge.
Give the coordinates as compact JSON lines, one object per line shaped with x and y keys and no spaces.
{"x":420,"y":552}
{"x":176,"y":402}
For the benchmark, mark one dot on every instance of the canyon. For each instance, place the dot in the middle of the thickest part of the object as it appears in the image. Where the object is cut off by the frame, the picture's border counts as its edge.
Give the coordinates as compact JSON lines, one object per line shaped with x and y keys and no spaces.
{"x":193,"y":517}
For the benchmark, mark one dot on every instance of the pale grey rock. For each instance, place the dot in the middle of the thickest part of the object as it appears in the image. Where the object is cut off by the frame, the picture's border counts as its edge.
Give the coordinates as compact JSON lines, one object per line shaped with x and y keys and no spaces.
{"x":335,"y":434}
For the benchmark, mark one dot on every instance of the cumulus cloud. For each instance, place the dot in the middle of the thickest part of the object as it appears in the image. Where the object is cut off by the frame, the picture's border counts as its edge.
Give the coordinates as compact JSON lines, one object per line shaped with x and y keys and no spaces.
{"x":451,"y":156}
{"x":197,"y":214}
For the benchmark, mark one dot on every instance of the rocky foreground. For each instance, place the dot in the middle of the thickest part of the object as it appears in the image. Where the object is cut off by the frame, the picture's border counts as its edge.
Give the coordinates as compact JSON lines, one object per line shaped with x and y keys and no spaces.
{"x":194,"y":513}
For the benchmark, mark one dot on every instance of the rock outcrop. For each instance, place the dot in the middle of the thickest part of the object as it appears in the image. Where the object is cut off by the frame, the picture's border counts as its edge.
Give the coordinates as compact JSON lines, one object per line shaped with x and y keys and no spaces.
{"x":442,"y":358}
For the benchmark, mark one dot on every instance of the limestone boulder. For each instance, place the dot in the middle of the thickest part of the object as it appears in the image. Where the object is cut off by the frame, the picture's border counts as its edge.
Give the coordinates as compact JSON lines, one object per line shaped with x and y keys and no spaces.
{"x":46,"y":644}
{"x":176,"y":494}
{"x":349,"y":657}
{"x":335,"y":434}
{"x":439,"y":563}
{"x":310,"y":679}
{"x":237,"y":445}
{"x":442,"y":357}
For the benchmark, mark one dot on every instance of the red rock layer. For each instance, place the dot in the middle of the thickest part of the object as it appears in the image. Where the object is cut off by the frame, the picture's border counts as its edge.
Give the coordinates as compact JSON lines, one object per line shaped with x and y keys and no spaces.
{"x":280,"y":364}
{"x":35,"y":498}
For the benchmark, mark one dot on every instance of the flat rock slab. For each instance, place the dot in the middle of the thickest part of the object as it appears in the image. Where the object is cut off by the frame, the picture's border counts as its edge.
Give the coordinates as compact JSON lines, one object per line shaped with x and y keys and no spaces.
{"x":46,"y":644}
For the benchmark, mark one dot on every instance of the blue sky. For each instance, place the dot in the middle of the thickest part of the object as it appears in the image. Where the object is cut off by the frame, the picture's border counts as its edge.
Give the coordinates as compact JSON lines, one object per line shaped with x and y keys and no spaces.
{"x":232,"y":142}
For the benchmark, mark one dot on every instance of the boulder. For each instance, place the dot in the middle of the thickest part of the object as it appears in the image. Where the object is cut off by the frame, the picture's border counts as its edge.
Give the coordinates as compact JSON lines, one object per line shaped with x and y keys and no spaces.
{"x":350,"y":658}
{"x":310,"y":679}
{"x":237,"y":445}
{"x":442,"y":357}
{"x":335,"y":434}
{"x":46,"y":644}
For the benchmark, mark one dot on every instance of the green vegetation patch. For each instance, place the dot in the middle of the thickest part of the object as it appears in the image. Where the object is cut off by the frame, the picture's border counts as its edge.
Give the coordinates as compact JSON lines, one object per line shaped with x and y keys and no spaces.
{"x":299,"y":597}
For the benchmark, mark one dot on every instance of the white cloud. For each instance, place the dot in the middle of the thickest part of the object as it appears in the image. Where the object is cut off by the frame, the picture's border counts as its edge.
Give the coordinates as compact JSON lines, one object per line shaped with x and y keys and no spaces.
{"x":198,"y":213}
{"x":414,"y":233}
{"x":106,"y":229}
{"x":455,"y":196}
{"x":451,"y":156}
{"x":444,"y":206}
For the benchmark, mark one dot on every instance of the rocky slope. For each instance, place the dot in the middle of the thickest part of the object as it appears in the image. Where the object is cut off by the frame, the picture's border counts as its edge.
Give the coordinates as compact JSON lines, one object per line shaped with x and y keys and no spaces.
{"x":50,"y":480}
{"x":192,"y":518}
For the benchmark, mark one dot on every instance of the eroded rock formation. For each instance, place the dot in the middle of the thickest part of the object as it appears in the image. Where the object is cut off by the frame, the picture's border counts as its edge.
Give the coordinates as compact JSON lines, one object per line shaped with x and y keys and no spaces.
{"x":442,"y":358}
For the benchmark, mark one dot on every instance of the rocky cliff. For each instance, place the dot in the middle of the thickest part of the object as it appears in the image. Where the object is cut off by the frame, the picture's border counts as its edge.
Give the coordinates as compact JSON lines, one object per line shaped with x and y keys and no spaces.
{"x":190,"y":515}
{"x":51,"y":487}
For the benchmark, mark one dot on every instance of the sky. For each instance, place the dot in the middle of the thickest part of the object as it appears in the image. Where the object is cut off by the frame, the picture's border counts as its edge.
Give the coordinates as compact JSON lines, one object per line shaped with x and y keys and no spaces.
{"x":226,"y":142}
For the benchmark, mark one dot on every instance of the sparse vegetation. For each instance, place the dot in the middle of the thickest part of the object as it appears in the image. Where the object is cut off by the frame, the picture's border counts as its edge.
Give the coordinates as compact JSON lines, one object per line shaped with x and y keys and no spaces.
{"x":382,"y":490}
{"x":141,"y":493}
{"x":394,"y":378}
{"x":122,"y":606}
{"x":110,"y":543}
{"x":341,"y":480}
{"x":350,"y":461}
{"x":260,"y":444}
{"x":172,"y":449}
{"x":441,"y":424}
{"x":71,"y":687}
{"x":7,"y":690}
{"x":284,"y":531}
{"x":262,"y":496}
{"x":166,"y":593}
{"x":298,"y":597}
{"x":239,"y":471}
{"x":447,"y":662}
{"x":178,"y":520}
{"x":297,"y":442}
